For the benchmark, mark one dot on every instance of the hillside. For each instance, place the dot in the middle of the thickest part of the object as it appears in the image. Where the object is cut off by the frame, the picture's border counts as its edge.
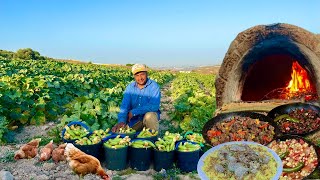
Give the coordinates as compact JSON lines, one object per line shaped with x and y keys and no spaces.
{"x":207,"y":70}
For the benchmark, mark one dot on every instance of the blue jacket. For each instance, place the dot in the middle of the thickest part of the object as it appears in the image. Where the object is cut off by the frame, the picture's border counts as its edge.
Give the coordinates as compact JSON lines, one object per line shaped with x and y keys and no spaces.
{"x":139,"y":101}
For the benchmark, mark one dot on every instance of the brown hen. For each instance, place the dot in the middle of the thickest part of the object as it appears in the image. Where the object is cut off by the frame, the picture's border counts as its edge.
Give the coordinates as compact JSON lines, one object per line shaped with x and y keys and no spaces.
{"x":82,"y":163}
{"x":45,"y":152}
{"x":29,"y":150}
{"x":58,"y":153}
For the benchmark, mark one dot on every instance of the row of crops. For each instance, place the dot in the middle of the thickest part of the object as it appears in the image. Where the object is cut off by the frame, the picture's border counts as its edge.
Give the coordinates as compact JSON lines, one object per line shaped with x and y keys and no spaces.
{"x":33,"y":92}
{"x":194,"y":100}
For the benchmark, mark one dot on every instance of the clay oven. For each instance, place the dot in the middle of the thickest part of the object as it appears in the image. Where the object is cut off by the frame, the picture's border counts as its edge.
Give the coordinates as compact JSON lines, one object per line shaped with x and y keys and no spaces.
{"x":259,"y":65}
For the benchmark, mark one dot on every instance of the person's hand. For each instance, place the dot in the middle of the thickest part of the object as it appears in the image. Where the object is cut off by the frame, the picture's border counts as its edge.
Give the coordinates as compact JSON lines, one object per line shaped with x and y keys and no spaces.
{"x":129,"y":116}
{"x":117,"y":127}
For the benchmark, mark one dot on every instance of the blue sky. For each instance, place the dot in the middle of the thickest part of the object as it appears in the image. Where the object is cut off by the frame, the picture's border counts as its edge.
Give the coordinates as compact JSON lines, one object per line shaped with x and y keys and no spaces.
{"x":154,"y":32}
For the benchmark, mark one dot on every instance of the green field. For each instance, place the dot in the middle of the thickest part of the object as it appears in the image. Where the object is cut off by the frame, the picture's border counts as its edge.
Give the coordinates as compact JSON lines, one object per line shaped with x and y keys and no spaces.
{"x":39,"y":91}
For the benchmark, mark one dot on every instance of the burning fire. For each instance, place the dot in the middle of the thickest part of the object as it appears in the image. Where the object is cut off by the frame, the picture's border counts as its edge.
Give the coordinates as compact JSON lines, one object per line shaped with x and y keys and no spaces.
{"x":299,"y":79}
{"x":299,"y":87}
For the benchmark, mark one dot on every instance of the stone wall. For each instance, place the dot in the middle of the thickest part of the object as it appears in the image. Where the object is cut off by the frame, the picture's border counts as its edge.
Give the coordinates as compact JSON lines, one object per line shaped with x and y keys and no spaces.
{"x":228,"y":82}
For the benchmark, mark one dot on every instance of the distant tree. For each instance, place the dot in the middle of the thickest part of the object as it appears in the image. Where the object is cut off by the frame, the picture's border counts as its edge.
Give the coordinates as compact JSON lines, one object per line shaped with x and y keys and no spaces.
{"x":6,"y":54}
{"x":48,"y":58}
{"x":28,"y":54}
{"x":129,"y":64}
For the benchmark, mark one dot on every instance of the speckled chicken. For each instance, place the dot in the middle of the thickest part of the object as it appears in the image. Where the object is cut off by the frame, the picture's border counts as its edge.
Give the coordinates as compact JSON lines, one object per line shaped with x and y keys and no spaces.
{"x":29,"y":150}
{"x":82,"y":163}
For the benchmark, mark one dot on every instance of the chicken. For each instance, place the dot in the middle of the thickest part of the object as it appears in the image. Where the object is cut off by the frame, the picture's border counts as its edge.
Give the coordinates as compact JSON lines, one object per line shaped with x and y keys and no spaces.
{"x":45,"y":152}
{"x":29,"y":150}
{"x":82,"y":163}
{"x":58,"y":153}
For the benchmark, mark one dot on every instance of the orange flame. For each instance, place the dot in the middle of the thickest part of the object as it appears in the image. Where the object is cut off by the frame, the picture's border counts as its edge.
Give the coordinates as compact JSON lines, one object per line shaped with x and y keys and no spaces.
{"x":299,"y":79}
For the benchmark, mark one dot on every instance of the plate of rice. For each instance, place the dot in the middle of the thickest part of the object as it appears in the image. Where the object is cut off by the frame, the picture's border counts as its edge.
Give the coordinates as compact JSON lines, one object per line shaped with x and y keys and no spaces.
{"x":239,"y":160}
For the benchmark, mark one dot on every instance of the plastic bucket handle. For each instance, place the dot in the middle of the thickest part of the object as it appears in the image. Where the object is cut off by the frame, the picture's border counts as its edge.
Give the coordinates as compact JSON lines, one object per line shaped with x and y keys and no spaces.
{"x":187,"y":133}
{"x":191,"y":132}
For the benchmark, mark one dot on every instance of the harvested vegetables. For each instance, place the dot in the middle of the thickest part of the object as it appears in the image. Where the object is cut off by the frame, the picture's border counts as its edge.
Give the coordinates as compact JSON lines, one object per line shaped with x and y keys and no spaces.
{"x":117,"y":142}
{"x":126,"y":130}
{"x":146,"y":132}
{"x":195,"y":137}
{"x":162,"y":145}
{"x":241,"y":128}
{"x":75,"y":132}
{"x":188,"y":147}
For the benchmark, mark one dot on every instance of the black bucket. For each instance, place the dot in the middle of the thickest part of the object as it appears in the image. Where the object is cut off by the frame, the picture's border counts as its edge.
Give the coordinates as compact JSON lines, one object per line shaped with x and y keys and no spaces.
{"x":116,"y":159}
{"x":187,"y":161}
{"x":163,"y":160}
{"x":93,"y":149}
{"x":140,"y":158}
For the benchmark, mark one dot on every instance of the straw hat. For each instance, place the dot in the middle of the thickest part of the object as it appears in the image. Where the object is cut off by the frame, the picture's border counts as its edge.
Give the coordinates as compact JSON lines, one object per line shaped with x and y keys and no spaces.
{"x":138,"y":68}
